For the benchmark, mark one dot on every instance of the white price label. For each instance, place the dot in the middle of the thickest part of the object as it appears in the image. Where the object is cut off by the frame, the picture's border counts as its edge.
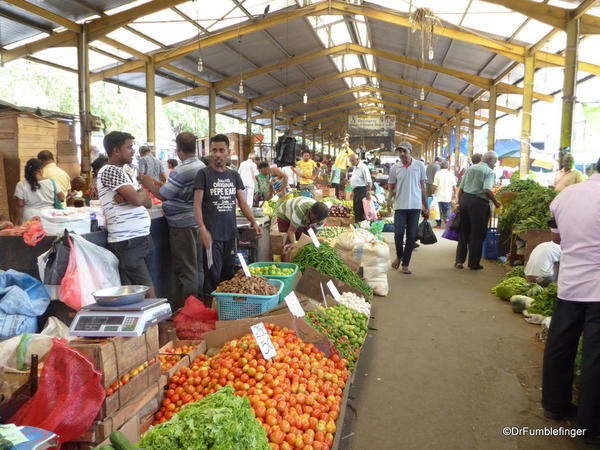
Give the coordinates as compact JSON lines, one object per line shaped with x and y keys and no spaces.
{"x":294,"y":305}
{"x":263,"y":340}
{"x":313,"y":237}
{"x":334,"y":291}
{"x":244,"y":265}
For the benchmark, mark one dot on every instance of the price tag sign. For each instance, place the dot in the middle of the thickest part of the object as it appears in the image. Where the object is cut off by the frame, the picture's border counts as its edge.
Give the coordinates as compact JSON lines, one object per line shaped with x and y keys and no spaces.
{"x":334,"y":291}
{"x":294,"y":305}
{"x":263,"y":340}
{"x":244,"y":265}
{"x":313,"y":237}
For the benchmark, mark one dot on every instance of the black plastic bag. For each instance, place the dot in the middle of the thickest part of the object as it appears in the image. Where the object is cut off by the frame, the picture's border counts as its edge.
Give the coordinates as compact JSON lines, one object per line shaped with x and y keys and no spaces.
{"x":425,"y":233}
{"x":57,"y":260}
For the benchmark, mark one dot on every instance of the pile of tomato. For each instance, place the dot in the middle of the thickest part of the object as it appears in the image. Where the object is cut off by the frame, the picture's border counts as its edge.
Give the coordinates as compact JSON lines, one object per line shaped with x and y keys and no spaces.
{"x":173,"y":355}
{"x":296,"y":395}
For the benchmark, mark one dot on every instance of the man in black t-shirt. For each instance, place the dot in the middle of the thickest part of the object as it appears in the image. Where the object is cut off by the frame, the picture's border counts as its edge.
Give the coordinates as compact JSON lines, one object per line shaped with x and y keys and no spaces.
{"x":217,"y":189}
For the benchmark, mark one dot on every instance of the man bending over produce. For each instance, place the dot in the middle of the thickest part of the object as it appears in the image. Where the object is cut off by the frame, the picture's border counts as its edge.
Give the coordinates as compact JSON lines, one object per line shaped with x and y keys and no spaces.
{"x":576,"y":213}
{"x":216,"y":190}
{"x":296,"y":215}
{"x":542,"y":267}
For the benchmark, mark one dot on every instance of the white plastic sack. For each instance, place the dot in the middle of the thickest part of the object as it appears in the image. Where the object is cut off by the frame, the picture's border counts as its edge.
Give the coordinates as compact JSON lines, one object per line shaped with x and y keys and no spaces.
{"x":40,"y":344}
{"x":375,"y":263}
{"x":97,"y":268}
{"x":346,"y":242}
{"x":536,"y":319}
{"x":434,"y":209}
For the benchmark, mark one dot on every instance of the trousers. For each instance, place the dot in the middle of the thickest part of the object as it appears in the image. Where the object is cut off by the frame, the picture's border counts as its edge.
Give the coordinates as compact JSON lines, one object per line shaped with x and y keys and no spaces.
{"x":569,"y":321}
{"x":223,"y":261}
{"x":406,"y":221}
{"x":474,"y":215}
{"x":186,"y":258}
{"x":358,"y":193}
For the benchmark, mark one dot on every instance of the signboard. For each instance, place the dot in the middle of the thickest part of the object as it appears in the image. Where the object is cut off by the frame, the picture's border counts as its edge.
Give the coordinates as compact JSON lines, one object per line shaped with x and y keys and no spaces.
{"x":371,"y":124}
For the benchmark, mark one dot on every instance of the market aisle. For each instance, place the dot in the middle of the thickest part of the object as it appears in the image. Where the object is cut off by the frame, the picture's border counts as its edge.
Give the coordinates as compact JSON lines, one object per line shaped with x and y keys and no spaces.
{"x":449,"y":365}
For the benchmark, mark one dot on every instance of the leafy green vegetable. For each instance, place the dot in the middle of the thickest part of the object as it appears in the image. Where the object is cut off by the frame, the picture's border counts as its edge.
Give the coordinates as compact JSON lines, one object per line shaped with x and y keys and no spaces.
{"x":544,"y":303}
{"x":219,"y":421}
{"x":530,"y":210}
{"x":511,"y":286}
{"x":518,"y":271}
{"x":520,"y":186}
{"x":326,"y":260}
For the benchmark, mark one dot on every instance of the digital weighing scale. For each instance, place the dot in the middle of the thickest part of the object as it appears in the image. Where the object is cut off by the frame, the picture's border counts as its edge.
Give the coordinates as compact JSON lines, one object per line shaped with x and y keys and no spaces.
{"x":128,"y":320}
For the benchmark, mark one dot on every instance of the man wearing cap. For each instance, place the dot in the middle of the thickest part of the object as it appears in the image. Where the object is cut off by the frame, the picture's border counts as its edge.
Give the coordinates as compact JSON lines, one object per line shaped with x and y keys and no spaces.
{"x":406,"y":187}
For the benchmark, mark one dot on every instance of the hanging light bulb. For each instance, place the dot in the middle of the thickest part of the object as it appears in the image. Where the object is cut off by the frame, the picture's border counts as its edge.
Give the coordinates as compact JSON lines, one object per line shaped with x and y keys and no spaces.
{"x":319,"y":125}
{"x":304,"y":116}
{"x":422,"y":94}
{"x":200,"y":64}
{"x":430,"y":53}
{"x":241,"y":88}
{"x":412,"y":116}
{"x":305,"y":98}
{"x":415,"y":104}
{"x":280,"y":108}
{"x":408,"y":124}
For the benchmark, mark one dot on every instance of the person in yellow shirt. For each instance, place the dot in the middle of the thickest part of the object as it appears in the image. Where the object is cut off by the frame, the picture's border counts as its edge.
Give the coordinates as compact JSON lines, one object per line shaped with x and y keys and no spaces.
{"x":306,"y":169}
{"x":567,"y":175}
{"x":52,"y":171}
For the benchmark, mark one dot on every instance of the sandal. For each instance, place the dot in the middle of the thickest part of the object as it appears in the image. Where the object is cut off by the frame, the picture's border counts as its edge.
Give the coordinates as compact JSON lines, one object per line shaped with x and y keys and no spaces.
{"x":405,"y":270}
{"x":458,"y":266}
{"x":396,"y":264}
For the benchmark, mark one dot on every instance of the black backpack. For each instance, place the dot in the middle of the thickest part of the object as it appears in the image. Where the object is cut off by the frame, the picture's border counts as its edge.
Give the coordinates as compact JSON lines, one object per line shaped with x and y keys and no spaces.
{"x":285,"y":151}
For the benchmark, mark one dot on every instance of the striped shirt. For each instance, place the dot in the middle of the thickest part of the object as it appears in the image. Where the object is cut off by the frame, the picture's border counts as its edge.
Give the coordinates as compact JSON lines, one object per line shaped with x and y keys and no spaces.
{"x":179,"y":194}
{"x":151,"y":166}
{"x":123,"y":221}
{"x":295,"y":211}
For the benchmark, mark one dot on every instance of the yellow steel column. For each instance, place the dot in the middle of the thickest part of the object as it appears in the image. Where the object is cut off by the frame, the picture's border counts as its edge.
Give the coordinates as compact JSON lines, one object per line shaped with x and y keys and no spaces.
{"x":471,"y":129}
{"x":492,"y":119}
{"x":83,"y":79}
{"x":569,"y":85}
{"x":526,"y":118}
{"x":150,"y":104}
{"x":212,"y":112}
{"x":249,"y":140}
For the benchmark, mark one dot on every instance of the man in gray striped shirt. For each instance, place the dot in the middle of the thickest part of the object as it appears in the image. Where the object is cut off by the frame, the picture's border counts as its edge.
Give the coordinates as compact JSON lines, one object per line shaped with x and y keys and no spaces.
{"x":178,"y":197}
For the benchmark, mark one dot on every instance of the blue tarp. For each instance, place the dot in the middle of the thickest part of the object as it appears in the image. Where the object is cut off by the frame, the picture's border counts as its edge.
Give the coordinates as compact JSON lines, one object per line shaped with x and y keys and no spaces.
{"x":22,"y":300}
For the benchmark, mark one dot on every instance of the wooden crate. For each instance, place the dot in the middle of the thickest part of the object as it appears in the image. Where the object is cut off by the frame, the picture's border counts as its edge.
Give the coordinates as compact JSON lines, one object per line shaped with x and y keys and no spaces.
{"x":130,"y":391}
{"x":114,"y":357}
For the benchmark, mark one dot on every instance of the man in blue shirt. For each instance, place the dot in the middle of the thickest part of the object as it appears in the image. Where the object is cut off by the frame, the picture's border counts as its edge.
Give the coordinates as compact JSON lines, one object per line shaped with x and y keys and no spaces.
{"x":406,"y":187}
{"x":178,"y":197}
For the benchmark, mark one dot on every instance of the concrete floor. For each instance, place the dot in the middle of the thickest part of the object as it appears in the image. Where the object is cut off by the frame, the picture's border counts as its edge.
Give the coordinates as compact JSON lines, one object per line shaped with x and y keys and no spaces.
{"x":447,"y":365}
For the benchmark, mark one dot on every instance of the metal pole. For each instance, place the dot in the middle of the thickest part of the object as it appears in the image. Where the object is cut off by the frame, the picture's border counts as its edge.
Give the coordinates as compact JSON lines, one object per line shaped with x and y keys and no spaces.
{"x":212,"y":112}
{"x":83,"y":81}
{"x":457,"y":144}
{"x":249,"y":140}
{"x":492,"y":119}
{"x":150,"y":104}
{"x":526,"y":115}
{"x":569,"y":86}
{"x":471,"y":129}
{"x":273,"y":133}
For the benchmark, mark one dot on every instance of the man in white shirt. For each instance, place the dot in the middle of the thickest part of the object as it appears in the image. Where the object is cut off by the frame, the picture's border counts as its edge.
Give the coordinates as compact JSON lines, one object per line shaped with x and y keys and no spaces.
{"x":361,"y":183}
{"x":124,"y":204}
{"x":249,"y":171}
{"x":443,"y":189}
{"x":542,"y":267}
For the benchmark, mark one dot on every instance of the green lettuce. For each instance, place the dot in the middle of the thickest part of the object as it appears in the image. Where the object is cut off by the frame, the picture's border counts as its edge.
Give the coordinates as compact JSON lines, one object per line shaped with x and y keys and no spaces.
{"x":219,"y":421}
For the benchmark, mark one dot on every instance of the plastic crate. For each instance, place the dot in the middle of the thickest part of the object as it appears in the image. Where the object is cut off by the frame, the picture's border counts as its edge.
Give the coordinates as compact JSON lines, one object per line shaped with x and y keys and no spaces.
{"x":238,"y":306}
{"x":491,"y":245}
{"x":388,"y":228}
{"x":288,"y":280}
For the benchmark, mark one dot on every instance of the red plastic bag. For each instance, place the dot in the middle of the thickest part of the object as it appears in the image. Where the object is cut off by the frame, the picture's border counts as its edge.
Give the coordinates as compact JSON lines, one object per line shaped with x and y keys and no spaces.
{"x":69,"y":395}
{"x":70,"y":290}
{"x":194,"y":319}
{"x":34,"y":234}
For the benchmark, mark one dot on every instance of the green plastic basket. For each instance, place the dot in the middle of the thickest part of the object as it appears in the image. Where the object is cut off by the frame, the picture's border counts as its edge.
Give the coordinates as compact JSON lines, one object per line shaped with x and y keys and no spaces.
{"x":288,"y":280}
{"x":238,"y":306}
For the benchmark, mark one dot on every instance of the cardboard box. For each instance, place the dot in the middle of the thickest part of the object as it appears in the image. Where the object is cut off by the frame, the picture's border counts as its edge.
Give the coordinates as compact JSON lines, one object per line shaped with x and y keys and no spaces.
{"x":310,"y":284}
{"x":114,"y":357}
{"x":186,"y":358}
{"x":318,"y":194}
{"x":278,"y":241}
{"x":232,"y":329}
{"x":328,"y":192}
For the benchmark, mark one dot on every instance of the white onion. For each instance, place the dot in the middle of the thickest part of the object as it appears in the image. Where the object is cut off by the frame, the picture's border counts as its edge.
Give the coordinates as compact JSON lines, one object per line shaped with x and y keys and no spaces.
{"x":355,"y":302}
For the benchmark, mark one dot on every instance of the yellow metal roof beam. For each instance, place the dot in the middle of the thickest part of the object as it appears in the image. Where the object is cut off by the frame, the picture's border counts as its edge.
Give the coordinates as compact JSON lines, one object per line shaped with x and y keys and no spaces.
{"x":553,"y":15}
{"x":49,"y":15}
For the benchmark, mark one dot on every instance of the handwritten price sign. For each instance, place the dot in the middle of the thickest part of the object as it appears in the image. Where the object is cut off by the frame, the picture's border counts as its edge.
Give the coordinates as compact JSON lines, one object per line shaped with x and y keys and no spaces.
{"x":263,"y":340}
